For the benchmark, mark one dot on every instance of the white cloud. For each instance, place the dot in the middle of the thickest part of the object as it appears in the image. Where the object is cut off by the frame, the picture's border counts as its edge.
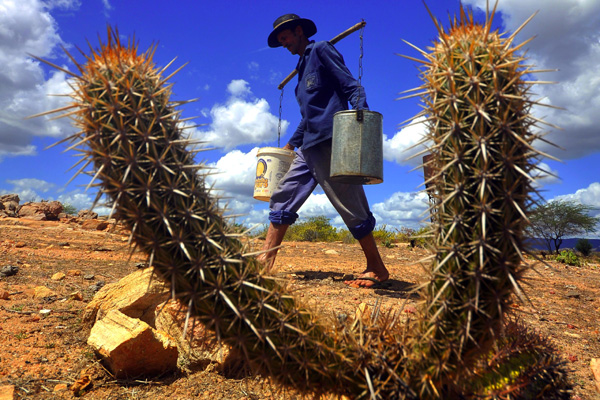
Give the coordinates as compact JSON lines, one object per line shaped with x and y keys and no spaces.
{"x":589,"y":196}
{"x":26,"y":27}
{"x":567,"y":38}
{"x":235,"y":173}
{"x":37,"y":185}
{"x":239,"y":88}
{"x":402,"y":209}
{"x":546,"y":175}
{"x":241,"y":120}
{"x":400,"y":147}
{"x":317,"y":205}
{"x":107,"y":6}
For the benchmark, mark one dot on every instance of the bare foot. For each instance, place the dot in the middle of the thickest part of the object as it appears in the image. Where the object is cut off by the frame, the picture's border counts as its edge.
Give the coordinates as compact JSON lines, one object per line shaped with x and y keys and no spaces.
{"x":369,"y":279}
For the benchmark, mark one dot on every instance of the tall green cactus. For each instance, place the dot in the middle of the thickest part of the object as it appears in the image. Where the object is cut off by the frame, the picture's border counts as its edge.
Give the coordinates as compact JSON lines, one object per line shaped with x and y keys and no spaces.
{"x":477,"y":102}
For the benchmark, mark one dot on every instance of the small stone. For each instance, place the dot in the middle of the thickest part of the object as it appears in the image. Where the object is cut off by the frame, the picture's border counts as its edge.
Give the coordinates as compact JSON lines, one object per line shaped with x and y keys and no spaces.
{"x":410,"y":309}
{"x":59,"y":276}
{"x":20,"y":245}
{"x":63,"y":244}
{"x":81,"y":385}
{"x":89,"y":277}
{"x":573,"y":294}
{"x":332,"y":252}
{"x":97,"y":286}
{"x":4,"y":295}
{"x":74,"y":272}
{"x":9,"y":270}
{"x":574,"y":335}
{"x":76,"y":296}
{"x":61,"y":387}
{"x":41,"y":292}
{"x":45,"y":311}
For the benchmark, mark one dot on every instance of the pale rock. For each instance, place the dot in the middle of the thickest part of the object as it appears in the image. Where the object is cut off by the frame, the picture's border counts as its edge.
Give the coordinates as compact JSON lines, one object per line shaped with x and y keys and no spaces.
{"x":7,"y":392}
{"x":136,"y":295}
{"x":42,"y":211}
{"x":94,"y":225}
{"x":59,"y":276}
{"x":87,"y":214}
{"x":202,"y":350}
{"x":9,"y":204}
{"x":595,"y":365}
{"x":40,"y":292}
{"x":131,"y":348}
{"x":332,"y":252}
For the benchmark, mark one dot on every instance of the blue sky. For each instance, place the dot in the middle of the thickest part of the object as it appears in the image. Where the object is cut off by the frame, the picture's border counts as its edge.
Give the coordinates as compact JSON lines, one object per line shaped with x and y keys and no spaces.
{"x":234,"y":75}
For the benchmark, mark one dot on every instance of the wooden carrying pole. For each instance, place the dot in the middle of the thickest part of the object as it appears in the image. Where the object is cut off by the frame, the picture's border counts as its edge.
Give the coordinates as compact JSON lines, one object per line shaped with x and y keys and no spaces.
{"x":332,"y":41}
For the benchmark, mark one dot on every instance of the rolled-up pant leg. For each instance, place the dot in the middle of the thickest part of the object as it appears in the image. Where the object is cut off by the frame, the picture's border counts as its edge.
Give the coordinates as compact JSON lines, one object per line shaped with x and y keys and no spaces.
{"x":311,"y":167}
{"x":349,"y":200}
{"x":293,"y":190}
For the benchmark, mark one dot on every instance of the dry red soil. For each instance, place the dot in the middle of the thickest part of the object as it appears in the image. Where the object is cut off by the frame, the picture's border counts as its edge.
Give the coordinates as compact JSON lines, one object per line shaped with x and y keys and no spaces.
{"x":43,"y":349}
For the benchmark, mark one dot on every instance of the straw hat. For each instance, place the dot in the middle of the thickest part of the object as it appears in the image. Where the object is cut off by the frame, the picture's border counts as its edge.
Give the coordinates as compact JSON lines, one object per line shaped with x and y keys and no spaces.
{"x":288,"y":21}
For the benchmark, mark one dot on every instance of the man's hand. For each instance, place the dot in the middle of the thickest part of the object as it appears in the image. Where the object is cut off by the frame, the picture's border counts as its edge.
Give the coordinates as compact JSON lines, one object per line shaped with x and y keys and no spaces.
{"x":288,"y":147}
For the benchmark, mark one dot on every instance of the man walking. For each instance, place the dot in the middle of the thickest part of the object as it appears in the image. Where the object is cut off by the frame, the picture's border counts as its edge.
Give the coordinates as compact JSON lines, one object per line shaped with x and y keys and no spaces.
{"x":325,"y":86}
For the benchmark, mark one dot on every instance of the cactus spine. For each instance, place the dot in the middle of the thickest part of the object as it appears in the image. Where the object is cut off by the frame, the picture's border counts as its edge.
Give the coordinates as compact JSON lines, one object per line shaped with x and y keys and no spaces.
{"x":477,"y":102}
{"x":477,"y":105}
{"x":133,"y":136}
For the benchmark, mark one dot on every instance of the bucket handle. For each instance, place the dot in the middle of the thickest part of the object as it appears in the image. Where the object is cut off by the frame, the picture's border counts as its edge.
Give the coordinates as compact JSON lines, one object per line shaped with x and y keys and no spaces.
{"x":359,"y":115}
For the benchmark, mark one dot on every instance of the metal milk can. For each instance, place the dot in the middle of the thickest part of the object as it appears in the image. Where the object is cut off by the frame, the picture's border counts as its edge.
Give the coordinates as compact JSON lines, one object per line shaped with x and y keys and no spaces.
{"x":357,"y":147}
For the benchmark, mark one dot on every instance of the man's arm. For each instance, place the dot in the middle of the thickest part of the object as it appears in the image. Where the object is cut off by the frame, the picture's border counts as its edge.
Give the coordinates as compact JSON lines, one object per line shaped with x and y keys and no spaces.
{"x":297,"y":138}
{"x":340,"y":73}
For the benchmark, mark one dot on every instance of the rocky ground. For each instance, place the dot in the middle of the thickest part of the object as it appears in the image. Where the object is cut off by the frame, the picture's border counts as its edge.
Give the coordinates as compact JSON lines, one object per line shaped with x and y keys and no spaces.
{"x":51,"y":270}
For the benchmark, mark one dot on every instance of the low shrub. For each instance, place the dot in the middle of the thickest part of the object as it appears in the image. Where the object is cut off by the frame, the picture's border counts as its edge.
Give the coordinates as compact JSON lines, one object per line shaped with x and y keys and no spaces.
{"x":584,"y":247}
{"x":384,"y":236}
{"x":568,"y":257}
{"x":314,"y":229}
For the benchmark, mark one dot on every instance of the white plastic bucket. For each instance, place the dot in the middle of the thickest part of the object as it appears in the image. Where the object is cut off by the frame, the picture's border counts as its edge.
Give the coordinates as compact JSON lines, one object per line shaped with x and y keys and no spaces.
{"x":272,"y":165}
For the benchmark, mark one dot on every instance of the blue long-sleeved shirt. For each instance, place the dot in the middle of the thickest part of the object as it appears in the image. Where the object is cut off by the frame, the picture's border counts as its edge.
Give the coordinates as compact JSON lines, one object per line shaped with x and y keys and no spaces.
{"x":325,"y":86}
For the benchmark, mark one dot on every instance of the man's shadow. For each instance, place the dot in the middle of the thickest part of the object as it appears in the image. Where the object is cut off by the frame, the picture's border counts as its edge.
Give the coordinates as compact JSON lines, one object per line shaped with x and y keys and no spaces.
{"x":393,"y":288}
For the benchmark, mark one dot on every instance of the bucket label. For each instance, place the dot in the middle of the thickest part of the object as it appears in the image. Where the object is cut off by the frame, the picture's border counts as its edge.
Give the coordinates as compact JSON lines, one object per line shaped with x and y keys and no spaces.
{"x":270,"y":169}
{"x":261,"y":169}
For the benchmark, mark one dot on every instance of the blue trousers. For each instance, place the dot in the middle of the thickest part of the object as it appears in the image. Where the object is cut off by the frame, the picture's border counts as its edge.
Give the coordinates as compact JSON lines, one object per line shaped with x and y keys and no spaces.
{"x":309,"y":168}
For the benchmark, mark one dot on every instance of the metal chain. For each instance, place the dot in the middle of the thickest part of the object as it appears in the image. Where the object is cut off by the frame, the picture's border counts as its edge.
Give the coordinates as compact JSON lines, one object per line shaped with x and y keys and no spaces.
{"x":279,"y":125}
{"x":359,"y":114}
{"x":360,"y":57}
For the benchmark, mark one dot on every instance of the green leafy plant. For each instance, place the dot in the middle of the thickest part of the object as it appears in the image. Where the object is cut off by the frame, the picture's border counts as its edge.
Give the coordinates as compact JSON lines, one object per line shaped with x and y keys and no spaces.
{"x":568,"y":257}
{"x":384,"y":236}
{"x":69,"y":209}
{"x":314,"y":229}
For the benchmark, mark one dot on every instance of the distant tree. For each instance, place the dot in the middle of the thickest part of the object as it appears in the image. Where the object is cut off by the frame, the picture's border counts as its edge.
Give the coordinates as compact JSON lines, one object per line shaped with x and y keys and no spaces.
{"x":69,"y":209}
{"x":556,"y":220}
{"x":584,"y":247}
